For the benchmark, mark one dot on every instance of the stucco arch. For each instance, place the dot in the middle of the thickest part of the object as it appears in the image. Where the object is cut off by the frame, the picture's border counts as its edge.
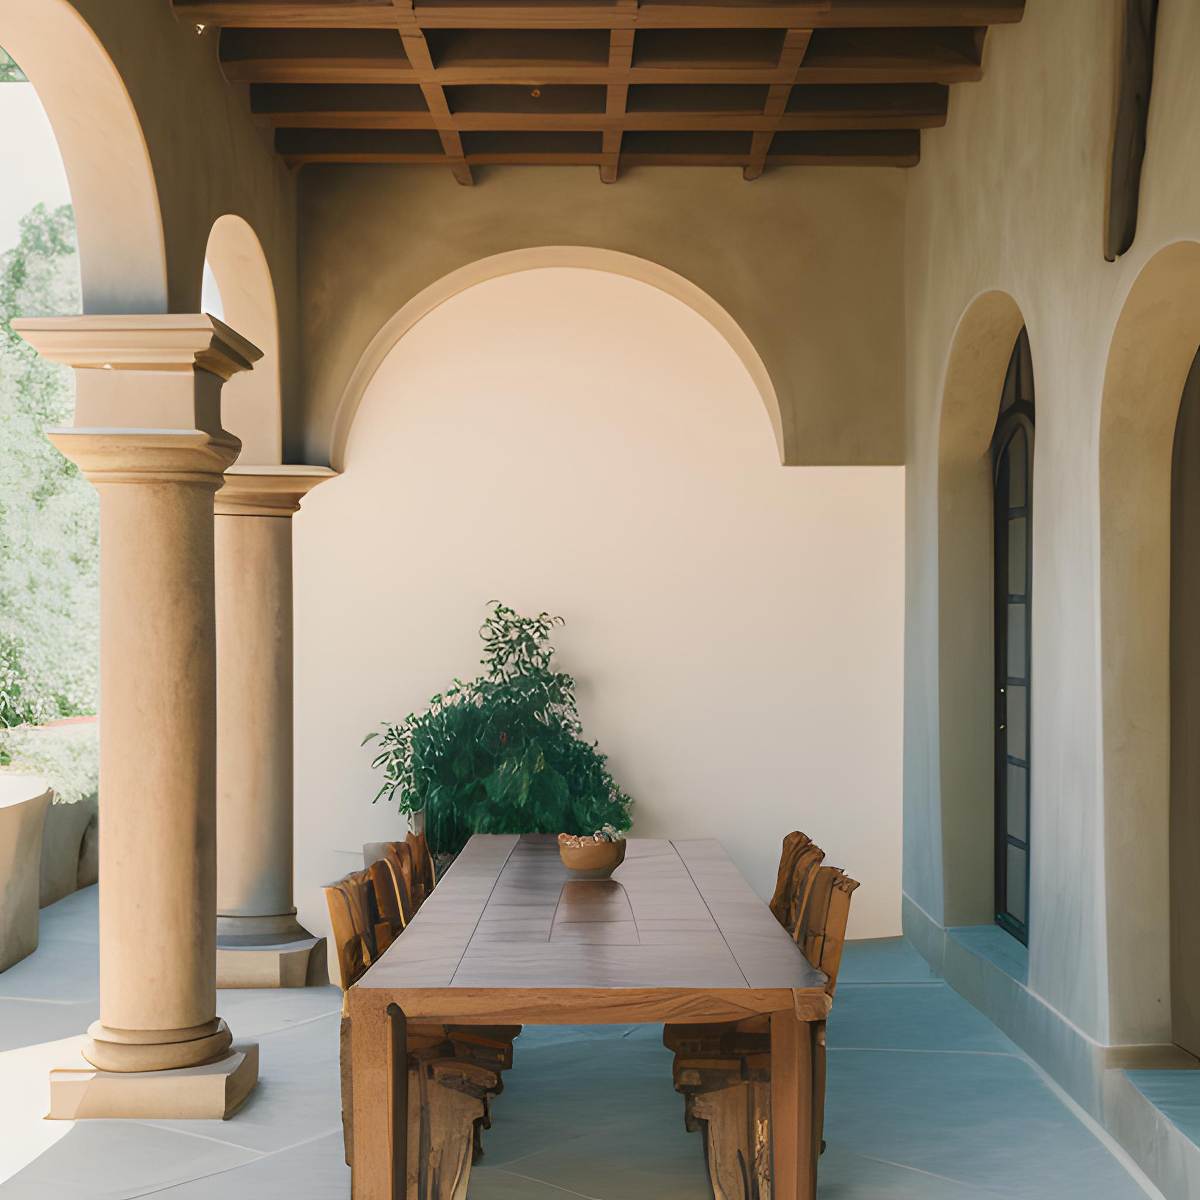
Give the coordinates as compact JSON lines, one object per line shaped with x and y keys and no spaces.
{"x":1152,"y":347}
{"x":121,"y":245}
{"x":974,"y":377}
{"x":511,"y":262}
{"x":251,"y":404}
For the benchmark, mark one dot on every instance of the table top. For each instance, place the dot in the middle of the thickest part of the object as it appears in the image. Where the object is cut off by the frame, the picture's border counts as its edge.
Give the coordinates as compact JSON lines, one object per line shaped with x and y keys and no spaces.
{"x":508,"y":927}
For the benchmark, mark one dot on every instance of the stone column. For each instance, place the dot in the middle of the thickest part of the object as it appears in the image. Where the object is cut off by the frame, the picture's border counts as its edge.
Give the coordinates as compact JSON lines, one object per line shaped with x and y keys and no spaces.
{"x":148,"y":435}
{"x":259,"y":941}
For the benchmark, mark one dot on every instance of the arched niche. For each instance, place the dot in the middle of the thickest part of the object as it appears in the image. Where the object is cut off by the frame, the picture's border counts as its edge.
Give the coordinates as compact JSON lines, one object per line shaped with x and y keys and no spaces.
{"x":1152,"y":348}
{"x":121,"y":246}
{"x":585,"y":257}
{"x":251,"y":405}
{"x":975,"y":372}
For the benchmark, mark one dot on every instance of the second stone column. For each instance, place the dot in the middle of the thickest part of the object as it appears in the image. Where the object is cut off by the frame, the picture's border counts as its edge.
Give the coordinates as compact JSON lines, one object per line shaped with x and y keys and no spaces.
{"x":259,"y":941}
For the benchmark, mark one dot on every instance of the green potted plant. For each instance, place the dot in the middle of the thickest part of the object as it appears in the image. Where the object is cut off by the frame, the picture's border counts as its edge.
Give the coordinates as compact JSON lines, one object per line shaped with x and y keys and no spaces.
{"x":503,"y":753}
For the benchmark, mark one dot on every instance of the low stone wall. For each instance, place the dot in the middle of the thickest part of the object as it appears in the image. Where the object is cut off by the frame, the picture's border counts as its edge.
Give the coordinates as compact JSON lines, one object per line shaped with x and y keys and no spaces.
{"x":69,"y":849}
{"x":24,"y":800}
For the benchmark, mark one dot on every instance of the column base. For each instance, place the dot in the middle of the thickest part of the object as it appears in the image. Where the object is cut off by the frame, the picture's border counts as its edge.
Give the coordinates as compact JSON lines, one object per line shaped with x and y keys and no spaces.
{"x":270,"y":964}
{"x":210,"y":1092}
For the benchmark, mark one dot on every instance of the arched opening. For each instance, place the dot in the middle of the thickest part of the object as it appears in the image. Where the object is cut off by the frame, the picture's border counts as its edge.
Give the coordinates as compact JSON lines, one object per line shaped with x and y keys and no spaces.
{"x":978,"y":367}
{"x":49,"y":578}
{"x":578,"y":441}
{"x":1152,"y":351}
{"x":238,"y":290}
{"x":121,"y":247}
{"x":582,"y":257}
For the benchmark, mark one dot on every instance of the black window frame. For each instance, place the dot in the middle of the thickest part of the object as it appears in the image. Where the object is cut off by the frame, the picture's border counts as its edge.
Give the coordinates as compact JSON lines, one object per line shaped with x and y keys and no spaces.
{"x":1016,"y":415}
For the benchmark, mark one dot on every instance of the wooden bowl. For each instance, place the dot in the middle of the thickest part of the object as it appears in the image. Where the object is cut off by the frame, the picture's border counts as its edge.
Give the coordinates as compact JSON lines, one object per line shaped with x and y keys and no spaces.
{"x":592,"y":860}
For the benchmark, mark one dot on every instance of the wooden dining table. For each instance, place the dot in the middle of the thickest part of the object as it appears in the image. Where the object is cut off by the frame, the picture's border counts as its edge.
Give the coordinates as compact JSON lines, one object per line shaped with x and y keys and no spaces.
{"x":509,"y":938}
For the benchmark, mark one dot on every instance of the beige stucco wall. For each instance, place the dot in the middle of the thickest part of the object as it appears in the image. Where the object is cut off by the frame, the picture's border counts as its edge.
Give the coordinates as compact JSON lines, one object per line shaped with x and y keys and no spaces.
{"x":808,"y":262}
{"x":735,"y":626}
{"x":1010,"y":197}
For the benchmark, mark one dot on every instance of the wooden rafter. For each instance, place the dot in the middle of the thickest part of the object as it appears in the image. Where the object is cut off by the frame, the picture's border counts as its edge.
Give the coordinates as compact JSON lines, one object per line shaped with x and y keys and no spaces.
{"x":795,"y":46}
{"x":620,"y":61}
{"x":416,"y":49}
{"x":604,"y":83}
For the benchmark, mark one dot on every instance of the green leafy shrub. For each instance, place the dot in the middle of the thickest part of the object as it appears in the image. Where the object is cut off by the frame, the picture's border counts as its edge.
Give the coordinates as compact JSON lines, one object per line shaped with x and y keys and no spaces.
{"x":503,"y":753}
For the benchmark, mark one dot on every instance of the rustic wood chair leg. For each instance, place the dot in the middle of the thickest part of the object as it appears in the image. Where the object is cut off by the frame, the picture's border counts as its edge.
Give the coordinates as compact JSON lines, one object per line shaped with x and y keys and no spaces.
{"x":725,"y":1121}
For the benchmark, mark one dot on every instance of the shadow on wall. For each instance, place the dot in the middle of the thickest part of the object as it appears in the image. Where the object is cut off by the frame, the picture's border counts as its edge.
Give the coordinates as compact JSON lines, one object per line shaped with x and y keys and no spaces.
{"x":581,"y":442}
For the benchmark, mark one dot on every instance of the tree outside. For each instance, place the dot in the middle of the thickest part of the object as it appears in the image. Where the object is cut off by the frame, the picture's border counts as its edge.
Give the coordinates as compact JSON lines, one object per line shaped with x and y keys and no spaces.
{"x":49,"y":531}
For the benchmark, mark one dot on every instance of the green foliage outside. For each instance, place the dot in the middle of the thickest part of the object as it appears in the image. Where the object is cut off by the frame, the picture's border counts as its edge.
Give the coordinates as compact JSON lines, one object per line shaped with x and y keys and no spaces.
{"x":49,"y":525}
{"x":503,"y":753}
{"x":66,"y":757}
{"x":9,"y":71}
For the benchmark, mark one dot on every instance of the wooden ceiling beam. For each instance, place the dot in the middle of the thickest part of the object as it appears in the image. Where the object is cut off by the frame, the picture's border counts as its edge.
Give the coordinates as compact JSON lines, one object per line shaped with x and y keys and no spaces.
{"x":904,"y":158}
{"x":416,"y":49}
{"x":620,"y":60}
{"x":291,"y":69}
{"x":795,"y":46}
{"x":667,"y":122}
{"x":818,"y":14}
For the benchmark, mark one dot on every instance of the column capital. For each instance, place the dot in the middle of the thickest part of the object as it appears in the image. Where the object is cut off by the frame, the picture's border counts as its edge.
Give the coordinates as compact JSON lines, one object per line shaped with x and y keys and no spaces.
{"x":148,"y":455}
{"x":267,"y":491}
{"x":140,"y":342}
{"x":162,"y":372}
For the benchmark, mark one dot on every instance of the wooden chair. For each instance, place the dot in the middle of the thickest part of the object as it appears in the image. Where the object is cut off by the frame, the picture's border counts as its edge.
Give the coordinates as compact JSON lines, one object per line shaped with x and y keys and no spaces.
{"x":724,"y":1071}
{"x":423,"y":869}
{"x":399,"y":857}
{"x":386,"y":889}
{"x":793,"y":844}
{"x":350,"y":902}
{"x":827,"y":947}
{"x":804,"y":875}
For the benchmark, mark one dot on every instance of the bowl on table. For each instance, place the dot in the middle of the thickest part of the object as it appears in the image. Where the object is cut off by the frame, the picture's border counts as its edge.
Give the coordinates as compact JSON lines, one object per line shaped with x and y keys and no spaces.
{"x":587,"y":858}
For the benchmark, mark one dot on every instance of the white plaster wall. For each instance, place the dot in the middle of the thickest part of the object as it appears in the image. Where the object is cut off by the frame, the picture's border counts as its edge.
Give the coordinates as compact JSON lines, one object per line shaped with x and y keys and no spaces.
{"x":582,"y":442}
{"x":1011,"y":196}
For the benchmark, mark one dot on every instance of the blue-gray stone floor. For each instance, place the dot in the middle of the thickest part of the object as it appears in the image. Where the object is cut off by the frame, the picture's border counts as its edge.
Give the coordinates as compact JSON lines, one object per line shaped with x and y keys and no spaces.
{"x":927,"y":1101}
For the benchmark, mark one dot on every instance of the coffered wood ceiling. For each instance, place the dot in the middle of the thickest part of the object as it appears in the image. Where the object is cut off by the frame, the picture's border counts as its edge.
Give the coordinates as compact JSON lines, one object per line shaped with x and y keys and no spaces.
{"x":753,"y":84}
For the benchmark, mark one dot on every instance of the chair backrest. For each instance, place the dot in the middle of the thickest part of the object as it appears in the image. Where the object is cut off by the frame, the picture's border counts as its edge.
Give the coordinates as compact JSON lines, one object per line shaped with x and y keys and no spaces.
{"x":423,"y":867}
{"x":399,"y":857}
{"x":386,"y":889}
{"x":793,"y":843}
{"x":350,"y":923}
{"x":821,"y":931}
{"x":804,"y":874}
{"x":836,"y":917}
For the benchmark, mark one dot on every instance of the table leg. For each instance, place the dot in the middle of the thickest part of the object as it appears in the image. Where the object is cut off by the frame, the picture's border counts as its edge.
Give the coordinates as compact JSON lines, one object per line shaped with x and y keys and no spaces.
{"x":820,"y":1067}
{"x":370,"y":1172}
{"x":398,"y":1100}
{"x":792,"y":1147}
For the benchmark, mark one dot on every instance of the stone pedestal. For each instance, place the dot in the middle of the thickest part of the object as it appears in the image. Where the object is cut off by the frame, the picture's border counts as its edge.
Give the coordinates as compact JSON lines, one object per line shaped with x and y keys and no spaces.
{"x":159,"y":1042}
{"x":259,"y":941}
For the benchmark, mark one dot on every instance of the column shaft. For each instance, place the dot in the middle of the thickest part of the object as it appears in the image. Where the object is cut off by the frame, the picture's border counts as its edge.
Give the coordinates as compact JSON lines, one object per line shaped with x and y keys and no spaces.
{"x":254,"y":725}
{"x":157,"y":739}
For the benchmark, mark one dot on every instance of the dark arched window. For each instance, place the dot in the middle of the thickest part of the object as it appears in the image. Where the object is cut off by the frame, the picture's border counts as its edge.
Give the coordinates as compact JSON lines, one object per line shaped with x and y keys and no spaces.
{"x":1012,"y":459}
